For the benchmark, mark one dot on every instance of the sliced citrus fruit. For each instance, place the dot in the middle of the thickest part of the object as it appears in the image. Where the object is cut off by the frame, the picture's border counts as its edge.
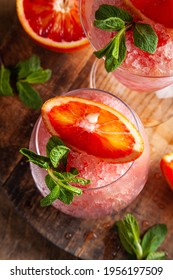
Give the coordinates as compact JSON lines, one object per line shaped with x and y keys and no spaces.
{"x":157,"y":10}
{"x":55,"y":24}
{"x":166,"y":165}
{"x":92,"y":127}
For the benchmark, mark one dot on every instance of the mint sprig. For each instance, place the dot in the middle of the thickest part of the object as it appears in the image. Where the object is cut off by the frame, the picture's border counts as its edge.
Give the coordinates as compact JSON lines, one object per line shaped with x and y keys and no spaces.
{"x":22,"y":76}
{"x":111,"y":18}
{"x":58,"y":181}
{"x":141,"y":247}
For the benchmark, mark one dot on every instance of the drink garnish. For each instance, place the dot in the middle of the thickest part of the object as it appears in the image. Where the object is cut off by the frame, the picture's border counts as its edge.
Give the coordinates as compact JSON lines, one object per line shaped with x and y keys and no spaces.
{"x":58,"y":180}
{"x":24,"y":75}
{"x":93,"y":128}
{"x":111,"y":18}
{"x":144,"y":248}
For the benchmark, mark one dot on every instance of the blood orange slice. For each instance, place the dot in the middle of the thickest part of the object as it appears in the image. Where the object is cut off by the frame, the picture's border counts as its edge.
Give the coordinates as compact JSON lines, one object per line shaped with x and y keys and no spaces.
{"x":92,"y":127}
{"x":157,"y":10}
{"x":55,"y":24}
{"x":166,"y":165}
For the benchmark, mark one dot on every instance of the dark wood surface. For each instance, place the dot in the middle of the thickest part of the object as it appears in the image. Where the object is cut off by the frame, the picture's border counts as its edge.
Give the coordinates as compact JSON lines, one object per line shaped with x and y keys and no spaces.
{"x":30,"y":232}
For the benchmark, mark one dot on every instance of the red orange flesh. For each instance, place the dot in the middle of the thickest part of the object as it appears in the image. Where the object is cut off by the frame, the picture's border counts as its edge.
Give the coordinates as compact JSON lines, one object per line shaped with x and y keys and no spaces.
{"x":54,"y":24}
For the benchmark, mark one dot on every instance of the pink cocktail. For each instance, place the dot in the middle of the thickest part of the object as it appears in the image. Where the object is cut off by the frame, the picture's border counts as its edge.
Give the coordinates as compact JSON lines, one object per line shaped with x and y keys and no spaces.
{"x":140,"y":71}
{"x":113,"y":186}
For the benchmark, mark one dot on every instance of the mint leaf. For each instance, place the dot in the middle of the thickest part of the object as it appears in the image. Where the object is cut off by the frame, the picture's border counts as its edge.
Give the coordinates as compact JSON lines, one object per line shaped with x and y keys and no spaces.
{"x":28,"y":66}
{"x":107,"y":11}
{"x":129,"y":233}
{"x":73,"y":179}
{"x":74,"y":171}
{"x":153,"y":238}
{"x":145,"y":37}
{"x":5,"y":87}
{"x":52,"y":143}
{"x":116,"y":53}
{"x":29,"y":96}
{"x":65,"y":196}
{"x":41,"y":161}
{"x":102,"y":52}
{"x":64,"y":183}
{"x":57,"y":154}
{"x":110,"y":24}
{"x":156,"y":256}
{"x":38,"y":76}
{"x":50,"y":182}
{"x":51,"y":197}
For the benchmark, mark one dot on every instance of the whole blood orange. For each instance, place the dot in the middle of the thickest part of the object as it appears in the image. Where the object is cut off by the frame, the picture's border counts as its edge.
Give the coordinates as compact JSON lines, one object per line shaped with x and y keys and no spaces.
{"x":54,"y":24}
{"x":160,"y":11}
{"x":166,"y":165}
{"x":92,"y":127}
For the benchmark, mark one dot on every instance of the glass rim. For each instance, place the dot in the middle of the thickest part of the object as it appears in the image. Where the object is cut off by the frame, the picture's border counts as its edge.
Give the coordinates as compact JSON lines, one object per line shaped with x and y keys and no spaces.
{"x":120,"y":67}
{"x":39,"y":121}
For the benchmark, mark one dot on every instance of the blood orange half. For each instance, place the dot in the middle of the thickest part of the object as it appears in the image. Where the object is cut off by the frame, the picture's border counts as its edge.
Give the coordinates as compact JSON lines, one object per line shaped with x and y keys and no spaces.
{"x":54,"y":24}
{"x":166,"y":165}
{"x":159,"y":11}
{"x":92,"y":127}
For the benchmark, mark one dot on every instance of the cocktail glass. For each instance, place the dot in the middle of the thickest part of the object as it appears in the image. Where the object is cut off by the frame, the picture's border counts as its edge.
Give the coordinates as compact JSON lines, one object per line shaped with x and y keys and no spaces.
{"x":113,"y":186}
{"x":144,"y":81}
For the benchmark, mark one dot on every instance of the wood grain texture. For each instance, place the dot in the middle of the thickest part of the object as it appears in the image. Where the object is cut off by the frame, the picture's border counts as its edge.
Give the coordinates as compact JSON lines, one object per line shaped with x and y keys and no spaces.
{"x":74,"y":238}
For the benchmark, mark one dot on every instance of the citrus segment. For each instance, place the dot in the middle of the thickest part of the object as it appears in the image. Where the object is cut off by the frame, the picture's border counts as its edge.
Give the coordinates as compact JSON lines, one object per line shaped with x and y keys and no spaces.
{"x":54,"y":24}
{"x":157,"y":10}
{"x":166,"y":165}
{"x":92,"y":127}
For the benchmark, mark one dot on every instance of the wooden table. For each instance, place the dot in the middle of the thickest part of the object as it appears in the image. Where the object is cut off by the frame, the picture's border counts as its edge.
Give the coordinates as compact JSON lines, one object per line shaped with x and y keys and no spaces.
{"x":35,"y":233}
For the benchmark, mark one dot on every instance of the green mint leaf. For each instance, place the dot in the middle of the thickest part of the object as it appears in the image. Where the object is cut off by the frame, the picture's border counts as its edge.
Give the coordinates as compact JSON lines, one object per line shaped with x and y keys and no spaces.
{"x":52,"y":143}
{"x":65,"y":196}
{"x":145,"y":37}
{"x":156,"y":256}
{"x":60,"y":178}
{"x":106,"y":11}
{"x":29,"y":96}
{"x":100,"y":53}
{"x":110,"y":24}
{"x":28,"y":66}
{"x":153,"y":238}
{"x":5,"y":87}
{"x":57,"y":154}
{"x":129,"y":233}
{"x":50,"y":182}
{"x":51,"y":197}
{"x":39,"y":76}
{"x":116,"y":53}
{"x":74,"y":171}
{"x":69,"y":177}
{"x":41,"y":161}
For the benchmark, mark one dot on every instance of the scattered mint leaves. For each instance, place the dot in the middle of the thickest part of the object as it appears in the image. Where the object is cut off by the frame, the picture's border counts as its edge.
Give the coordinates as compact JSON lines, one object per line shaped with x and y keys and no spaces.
{"x":28,"y":95}
{"x":113,"y":19}
{"x":5,"y":87}
{"x":153,"y":239}
{"x":145,"y":247}
{"x":58,"y":182}
{"x":23,"y":75}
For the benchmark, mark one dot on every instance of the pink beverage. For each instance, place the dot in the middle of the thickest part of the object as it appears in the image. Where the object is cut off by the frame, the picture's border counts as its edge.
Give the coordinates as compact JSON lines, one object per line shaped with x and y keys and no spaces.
{"x":113,"y":186}
{"x":140,"y":71}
